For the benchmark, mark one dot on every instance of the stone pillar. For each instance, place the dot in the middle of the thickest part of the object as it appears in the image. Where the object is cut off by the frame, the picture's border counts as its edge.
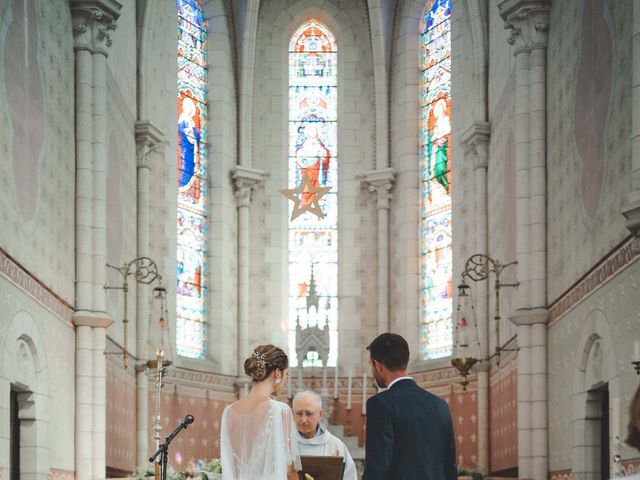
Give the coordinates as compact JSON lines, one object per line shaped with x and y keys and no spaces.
{"x":245,"y":179}
{"x":93,"y":21}
{"x":247,"y":49}
{"x":527,"y":21}
{"x":475,"y":142}
{"x":147,"y":137}
{"x":631,"y":207}
{"x":381,"y":182}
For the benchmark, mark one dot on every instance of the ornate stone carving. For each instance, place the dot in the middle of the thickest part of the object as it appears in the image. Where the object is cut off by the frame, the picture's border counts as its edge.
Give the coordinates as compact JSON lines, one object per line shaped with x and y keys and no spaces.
{"x":527,"y":22}
{"x":380,"y":182}
{"x":93,"y":21}
{"x":148,"y":136}
{"x":474,"y":141}
{"x":244,"y":180}
{"x":631,"y":211}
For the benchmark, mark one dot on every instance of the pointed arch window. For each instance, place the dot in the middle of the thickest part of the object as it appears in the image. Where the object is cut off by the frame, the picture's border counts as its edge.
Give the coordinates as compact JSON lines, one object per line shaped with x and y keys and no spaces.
{"x":191,"y":289}
{"x":313,"y":241}
{"x":436,"y":302}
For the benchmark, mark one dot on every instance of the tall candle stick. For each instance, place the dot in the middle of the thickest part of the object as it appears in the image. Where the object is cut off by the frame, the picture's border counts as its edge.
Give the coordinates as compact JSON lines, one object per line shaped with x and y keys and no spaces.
{"x":289,"y":386}
{"x":636,"y":351}
{"x":615,"y":418}
{"x":364,"y":393}
{"x":300,"y":384}
{"x":349,"y":391}
{"x":335,"y":383}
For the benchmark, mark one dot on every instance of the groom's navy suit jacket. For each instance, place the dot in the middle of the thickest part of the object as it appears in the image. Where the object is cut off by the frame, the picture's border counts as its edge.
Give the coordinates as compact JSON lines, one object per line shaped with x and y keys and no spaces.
{"x":409,"y":435}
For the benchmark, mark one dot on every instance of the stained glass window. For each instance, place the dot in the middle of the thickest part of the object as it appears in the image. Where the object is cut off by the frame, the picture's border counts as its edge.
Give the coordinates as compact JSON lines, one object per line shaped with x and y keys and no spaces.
{"x":436,"y":303}
{"x":313,"y":242}
{"x":192,"y":180}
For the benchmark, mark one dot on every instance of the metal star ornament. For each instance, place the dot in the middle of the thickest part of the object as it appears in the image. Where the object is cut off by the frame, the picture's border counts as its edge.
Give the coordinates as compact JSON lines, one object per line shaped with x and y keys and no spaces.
{"x":300,"y":195}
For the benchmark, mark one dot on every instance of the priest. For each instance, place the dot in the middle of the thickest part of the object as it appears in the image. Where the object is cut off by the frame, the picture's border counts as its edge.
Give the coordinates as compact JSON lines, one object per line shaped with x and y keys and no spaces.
{"x":313,"y":436}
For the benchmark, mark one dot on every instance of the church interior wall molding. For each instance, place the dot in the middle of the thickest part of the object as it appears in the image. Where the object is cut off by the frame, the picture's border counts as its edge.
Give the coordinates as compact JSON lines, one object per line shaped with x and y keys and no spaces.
{"x":596,"y":368}
{"x":25,"y":372}
{"x":631,"y":205}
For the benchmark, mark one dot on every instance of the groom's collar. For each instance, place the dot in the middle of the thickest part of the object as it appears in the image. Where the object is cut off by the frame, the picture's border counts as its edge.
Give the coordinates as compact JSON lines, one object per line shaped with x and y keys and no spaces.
{"x":396,"y":380}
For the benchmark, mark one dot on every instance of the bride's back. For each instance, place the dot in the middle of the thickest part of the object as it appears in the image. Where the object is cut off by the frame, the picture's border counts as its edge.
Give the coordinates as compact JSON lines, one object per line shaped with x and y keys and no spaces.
{"x":257,"y":440}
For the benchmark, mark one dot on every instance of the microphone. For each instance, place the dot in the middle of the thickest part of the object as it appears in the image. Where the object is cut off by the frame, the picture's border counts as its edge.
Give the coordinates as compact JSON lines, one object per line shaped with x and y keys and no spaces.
{"x":188,"y":420}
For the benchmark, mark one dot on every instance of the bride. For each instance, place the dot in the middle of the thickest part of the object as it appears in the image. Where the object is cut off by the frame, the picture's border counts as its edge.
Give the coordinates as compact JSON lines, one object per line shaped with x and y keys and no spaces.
{"x":258,"y":435}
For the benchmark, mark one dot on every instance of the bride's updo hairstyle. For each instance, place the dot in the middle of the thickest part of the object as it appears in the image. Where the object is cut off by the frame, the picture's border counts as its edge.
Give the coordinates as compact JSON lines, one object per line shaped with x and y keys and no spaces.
{"x":264,"y":360}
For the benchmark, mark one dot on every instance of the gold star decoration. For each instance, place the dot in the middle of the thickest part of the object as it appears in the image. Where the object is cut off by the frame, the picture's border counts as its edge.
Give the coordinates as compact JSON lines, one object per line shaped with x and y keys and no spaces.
{"x":299,"y":196}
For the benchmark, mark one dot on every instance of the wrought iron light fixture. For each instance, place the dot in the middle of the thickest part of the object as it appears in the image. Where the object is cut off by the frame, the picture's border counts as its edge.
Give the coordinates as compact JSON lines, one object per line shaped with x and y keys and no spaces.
{"x":479,"y":267}
{"x":145,"y":271}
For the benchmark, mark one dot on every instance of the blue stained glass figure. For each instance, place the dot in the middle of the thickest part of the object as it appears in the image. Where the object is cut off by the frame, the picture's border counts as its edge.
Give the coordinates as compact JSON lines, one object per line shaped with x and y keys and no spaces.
{"x":191,"y":222}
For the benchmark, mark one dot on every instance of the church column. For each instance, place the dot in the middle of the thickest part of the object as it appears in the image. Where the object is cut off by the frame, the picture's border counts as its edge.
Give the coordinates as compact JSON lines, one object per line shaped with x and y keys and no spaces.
{"x":631,"y":207}
{"x":147,"y":137}
{"x":247,"y":51}
{"x":475,"y":142}
{"x":245,"y":179}
{"x":92,"y":23}
{"x":528,"y":24}
{"x":381,"y":182}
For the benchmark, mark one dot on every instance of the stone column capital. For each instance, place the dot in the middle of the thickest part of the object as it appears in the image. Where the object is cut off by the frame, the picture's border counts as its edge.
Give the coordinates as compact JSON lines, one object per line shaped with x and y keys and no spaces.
{"x":93,"y":21}
{"x":381,"y":182}
{"x":631,"y":211}
{"x":530,"y":316}
{"x":475,"y":143}
{"x":527,"y":22}
{"x":147,"y":137}
{"x":244,"y":180}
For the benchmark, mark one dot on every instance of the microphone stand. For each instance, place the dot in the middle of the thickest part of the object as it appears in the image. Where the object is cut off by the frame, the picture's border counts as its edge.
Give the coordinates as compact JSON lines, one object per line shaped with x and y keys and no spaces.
{"x":163,"y":450}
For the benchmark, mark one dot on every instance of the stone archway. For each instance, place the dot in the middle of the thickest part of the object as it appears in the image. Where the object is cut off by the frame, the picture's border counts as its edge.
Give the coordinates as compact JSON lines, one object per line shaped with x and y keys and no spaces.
{"x":24,"y":373}
{"x":595,"y":386}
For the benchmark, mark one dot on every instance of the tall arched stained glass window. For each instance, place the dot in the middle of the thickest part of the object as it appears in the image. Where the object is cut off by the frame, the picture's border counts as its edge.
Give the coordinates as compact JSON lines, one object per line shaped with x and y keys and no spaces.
{"x":436,"y":305}
{"x":313,"y":241}
{"x":191,"y":289}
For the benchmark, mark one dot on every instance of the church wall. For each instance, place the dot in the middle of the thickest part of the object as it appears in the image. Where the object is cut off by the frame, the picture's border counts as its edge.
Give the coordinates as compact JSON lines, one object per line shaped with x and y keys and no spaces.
{"x":501,"y":172}
{"x":589,"y":122}
{"x":37,"y":140}
{"x":591,"y":335}
{"x":403,"y":137}
{"x":35,"y":358}
{"x":121,"y":192}
{"x":356,"y":218}
{"x":222,"y":258}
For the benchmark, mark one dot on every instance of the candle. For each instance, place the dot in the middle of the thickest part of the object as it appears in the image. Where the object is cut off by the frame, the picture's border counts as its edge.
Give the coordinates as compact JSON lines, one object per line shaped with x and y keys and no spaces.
{"x":349,"y":391}
{"x":289,"y":385}
{"x":300,"y":383}
{"x":615,"y":419}
{"x":364,"y":393}
{"x":636,"y":350}
{"x":335,"y":383}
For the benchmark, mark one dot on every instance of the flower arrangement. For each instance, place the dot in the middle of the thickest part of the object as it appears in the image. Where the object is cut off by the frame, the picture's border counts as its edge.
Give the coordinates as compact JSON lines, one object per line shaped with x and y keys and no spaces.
{"x":198,"y":470}
{"x":469,"y":474}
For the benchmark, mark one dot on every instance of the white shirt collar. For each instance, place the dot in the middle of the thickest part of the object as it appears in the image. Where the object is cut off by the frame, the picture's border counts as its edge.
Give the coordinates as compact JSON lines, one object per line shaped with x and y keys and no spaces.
{"x":393,"y":382}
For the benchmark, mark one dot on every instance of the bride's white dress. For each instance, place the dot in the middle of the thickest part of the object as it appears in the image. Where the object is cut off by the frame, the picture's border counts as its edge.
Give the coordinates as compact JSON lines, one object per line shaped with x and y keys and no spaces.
{"x":259,"y":444}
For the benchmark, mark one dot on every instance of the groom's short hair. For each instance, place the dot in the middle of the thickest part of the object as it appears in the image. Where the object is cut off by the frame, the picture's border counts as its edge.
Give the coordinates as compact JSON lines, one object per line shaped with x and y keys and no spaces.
{"x":391,"y":350}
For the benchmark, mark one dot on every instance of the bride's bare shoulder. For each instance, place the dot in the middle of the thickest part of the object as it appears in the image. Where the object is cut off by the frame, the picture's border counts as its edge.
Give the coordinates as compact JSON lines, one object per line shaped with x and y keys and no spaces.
{"x":248,"y":405}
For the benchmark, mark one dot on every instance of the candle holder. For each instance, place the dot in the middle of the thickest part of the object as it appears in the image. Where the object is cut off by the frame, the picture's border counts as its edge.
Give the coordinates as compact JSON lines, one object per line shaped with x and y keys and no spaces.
{"x":464,"y":364}
{"x":334,"y":413}
{"x":347,"y":423}
{"x":636,"y":365}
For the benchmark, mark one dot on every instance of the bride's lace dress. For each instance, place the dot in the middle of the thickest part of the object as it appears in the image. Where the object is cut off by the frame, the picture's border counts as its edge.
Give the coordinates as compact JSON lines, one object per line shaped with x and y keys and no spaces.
{"x":259,"y":444}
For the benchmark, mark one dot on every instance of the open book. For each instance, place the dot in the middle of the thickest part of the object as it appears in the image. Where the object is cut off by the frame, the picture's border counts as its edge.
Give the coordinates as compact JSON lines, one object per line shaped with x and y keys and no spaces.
{"x":321,"y":468}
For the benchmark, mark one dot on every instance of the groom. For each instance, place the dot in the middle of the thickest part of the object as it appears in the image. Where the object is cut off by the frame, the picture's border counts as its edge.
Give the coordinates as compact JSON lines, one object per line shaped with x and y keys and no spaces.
{"x":409,"y":433}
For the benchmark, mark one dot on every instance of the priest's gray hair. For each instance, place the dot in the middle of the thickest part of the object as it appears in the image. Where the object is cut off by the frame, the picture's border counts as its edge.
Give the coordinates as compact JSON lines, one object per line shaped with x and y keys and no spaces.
{"x":309,"y":394}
